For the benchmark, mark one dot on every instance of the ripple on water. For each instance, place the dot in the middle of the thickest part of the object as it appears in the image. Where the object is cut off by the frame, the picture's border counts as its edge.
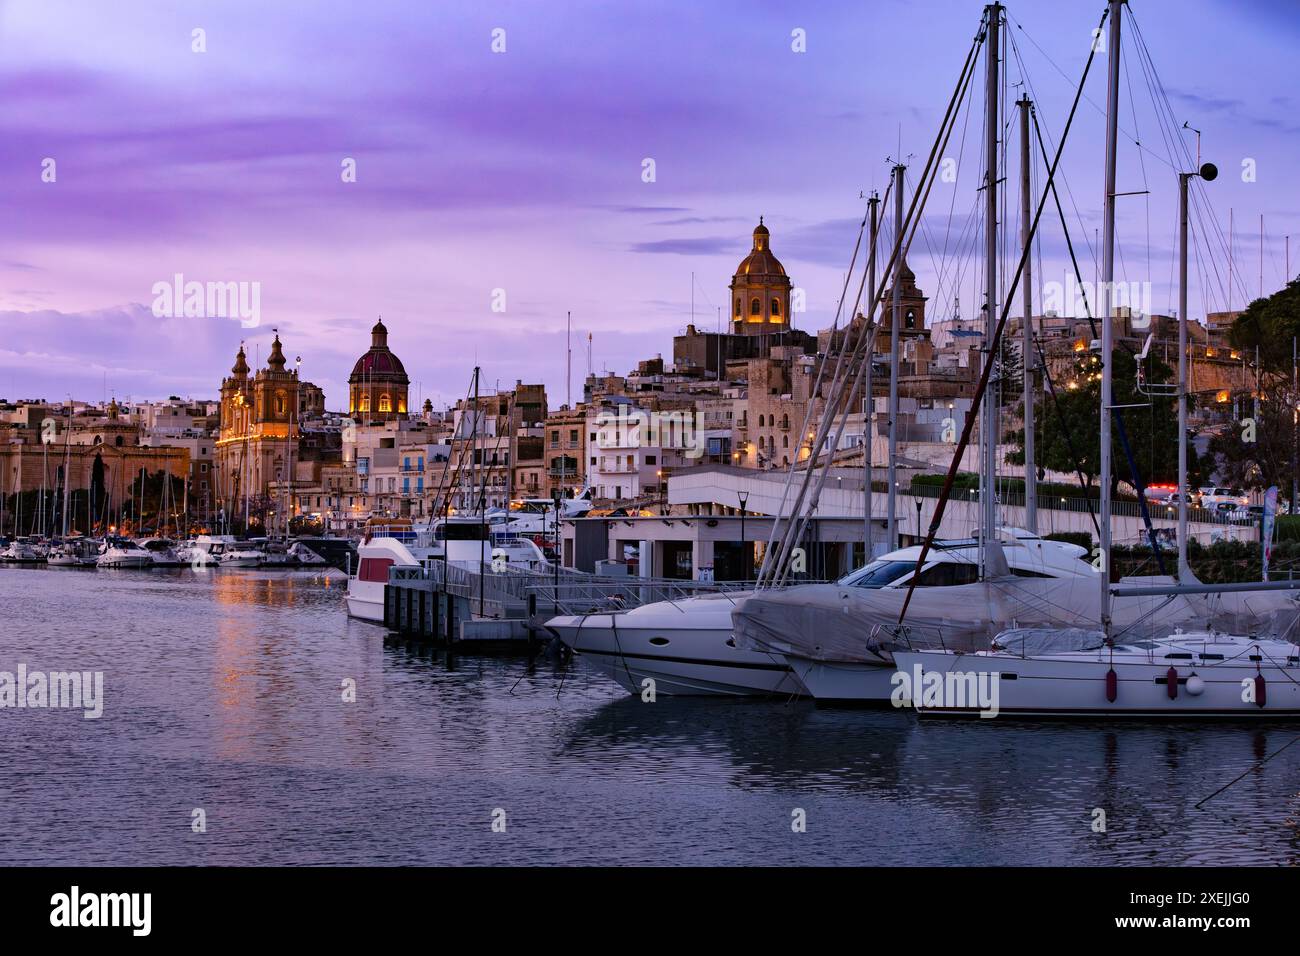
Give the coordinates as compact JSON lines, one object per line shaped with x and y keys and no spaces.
{"x":224,"y":692}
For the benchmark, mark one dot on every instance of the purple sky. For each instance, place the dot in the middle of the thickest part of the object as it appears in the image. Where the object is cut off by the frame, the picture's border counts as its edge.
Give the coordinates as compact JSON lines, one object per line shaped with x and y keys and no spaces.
{"x":522,"y":170}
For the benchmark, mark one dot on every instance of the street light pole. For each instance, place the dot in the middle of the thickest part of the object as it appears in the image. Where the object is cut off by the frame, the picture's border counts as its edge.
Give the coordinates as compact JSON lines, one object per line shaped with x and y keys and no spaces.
{"x":745,"y":556}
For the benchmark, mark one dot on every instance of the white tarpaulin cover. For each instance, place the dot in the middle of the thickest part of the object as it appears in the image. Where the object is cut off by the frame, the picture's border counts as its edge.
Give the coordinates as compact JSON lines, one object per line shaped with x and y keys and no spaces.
{"x":834,"y":622}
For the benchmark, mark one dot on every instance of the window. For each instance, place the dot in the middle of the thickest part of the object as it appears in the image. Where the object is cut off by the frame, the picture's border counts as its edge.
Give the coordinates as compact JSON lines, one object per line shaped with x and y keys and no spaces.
{"x":573,"y":434}
{"x":776,"y":306}
{"x":651,"y":459}
{"x":878,"y":573}
{"x":761,"y":421}
{"x":385,"y":403}
{"x":365,"y":403}
{"x":756,"y":307}
{"x":737,"y":307}
{"x":948,"y":573}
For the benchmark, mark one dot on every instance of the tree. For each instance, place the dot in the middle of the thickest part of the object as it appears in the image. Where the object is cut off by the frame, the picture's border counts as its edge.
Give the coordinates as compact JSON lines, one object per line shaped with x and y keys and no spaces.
{"x":1152,"y":431}
{"x":1256,"y":452}
{"x":1270,"y":324}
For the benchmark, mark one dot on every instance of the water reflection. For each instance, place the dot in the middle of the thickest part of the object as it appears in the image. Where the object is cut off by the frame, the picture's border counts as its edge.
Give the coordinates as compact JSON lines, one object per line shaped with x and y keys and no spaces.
{"x":226,"y":690}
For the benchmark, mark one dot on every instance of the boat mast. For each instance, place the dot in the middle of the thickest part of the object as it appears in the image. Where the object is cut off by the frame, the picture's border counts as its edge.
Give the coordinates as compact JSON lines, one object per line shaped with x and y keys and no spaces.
{"x":895,"y":323}
{"x":989,"y":411}
{"x":1027,"y":348}
{"x":869,"y":406}
{"x":1207,"y":172}
{"x":1107,"y":305}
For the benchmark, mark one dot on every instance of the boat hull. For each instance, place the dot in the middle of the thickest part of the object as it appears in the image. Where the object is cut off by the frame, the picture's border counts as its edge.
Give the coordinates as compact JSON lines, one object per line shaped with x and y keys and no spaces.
{"x":685,"y":662}
{"x":843,"y":683}
{"x":1030,"y":687}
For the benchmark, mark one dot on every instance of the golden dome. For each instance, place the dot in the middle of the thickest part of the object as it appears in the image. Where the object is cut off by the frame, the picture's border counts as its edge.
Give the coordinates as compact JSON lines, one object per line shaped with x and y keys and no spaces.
{"x":760,"y":261}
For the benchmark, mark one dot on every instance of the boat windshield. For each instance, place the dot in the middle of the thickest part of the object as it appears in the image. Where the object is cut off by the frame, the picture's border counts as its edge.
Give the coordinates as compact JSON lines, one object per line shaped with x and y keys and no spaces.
{"x":877,"y":574}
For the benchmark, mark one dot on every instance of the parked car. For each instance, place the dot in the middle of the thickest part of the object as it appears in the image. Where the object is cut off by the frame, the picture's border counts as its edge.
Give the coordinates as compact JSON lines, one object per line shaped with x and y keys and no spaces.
{"x":1212,"y":497}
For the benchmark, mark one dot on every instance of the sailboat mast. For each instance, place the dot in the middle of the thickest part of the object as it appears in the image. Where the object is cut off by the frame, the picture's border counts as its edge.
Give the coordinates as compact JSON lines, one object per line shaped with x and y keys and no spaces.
{"x":1107,"y":304}
{"x":989,"y":412}
{"x":1027,"y":348}
{"x":895,"y":323}
{"x":869,"y":406}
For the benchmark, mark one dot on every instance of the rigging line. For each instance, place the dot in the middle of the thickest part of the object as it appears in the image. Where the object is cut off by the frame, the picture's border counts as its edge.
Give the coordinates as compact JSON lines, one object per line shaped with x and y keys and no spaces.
{"x":1065,"y":179}
{"x":1100,"y":110}
{"x":1257,"y":766}
{"x":778,"y":567}
{"x":937,"y":516}
{"x":821,"y":370}
{"x":1184,"y":148}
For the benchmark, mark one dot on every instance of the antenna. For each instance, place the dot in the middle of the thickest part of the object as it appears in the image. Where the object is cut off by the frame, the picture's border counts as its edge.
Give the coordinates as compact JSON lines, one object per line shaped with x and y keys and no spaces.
{"x":568,"y":361}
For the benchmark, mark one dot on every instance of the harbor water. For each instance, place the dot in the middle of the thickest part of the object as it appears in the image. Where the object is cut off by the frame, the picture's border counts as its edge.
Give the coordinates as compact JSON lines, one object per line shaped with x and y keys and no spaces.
{"x":229,"y":736}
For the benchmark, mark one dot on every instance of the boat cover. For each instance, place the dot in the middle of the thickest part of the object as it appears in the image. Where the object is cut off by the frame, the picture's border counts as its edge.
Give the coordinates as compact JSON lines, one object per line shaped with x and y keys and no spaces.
{"x":834,"y":622}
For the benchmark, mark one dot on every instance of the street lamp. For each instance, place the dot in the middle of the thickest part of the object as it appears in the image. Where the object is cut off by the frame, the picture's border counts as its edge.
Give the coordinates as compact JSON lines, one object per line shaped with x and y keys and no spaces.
{"x":746,"y":557}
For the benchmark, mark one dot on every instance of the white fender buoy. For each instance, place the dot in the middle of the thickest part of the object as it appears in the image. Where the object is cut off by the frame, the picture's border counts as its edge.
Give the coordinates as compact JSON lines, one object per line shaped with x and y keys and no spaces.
{"x":1195,"y":685}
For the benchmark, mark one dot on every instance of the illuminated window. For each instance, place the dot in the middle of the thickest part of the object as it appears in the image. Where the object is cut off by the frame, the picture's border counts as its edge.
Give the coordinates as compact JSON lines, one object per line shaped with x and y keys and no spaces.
{"x":365,"y":403}
{"x":385,"y":403}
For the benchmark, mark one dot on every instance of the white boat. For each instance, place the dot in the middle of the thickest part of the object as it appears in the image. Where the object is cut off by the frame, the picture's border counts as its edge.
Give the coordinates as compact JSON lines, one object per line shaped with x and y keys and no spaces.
{"x":1073,"y":673}
{"x":462,"y":541}
{"x":690,"y":647}
{"x":242,"y":555}
{"x":163,"y":552}
{"x":21,"y":551}
{"x":80,"y":553}
{"x":685,"y":647}
{"x":122,"y":553}
{"x":305,"y":557}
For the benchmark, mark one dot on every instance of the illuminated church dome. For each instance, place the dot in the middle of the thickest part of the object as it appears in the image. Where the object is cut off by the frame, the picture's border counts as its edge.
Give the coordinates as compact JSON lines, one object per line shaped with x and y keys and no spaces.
{"x":760,"y":289}
{"x":378,"y":386}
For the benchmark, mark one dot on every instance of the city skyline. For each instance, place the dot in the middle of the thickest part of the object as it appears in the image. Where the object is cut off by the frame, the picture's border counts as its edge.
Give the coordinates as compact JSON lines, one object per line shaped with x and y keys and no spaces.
{"x":225,"y":166}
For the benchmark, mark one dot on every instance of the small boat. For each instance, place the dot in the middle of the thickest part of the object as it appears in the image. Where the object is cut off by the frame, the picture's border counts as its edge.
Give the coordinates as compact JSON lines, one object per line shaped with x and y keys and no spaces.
{"x":21,"y":551}
{"x":242,"y":555}
{"x":79,"y":553}
{"x":163,"y":552}
{"x":1071,"y":672}
{"x":305,"y":557}
{"x":124,"y":553}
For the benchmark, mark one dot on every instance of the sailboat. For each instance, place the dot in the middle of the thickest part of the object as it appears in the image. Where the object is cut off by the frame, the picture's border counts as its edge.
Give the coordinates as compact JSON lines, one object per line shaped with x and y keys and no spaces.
{"x":1068,"y":672}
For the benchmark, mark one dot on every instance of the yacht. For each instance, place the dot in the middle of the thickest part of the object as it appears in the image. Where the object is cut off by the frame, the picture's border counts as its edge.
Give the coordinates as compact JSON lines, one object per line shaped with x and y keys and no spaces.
{"x":464,"y":541}
{"x":242,"y":554}
{"x":21,"y":551}
{"x":305,"y":557}
{"x":163,"y":551}
{"x":124,"y":553}
{"x":690,"y":647}
{"x":1075,"y":673}
{"x":77,"y":553}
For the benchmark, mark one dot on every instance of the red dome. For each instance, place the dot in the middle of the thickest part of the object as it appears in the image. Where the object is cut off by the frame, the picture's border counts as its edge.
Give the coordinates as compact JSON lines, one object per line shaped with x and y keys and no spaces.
{"x":379,"y":363}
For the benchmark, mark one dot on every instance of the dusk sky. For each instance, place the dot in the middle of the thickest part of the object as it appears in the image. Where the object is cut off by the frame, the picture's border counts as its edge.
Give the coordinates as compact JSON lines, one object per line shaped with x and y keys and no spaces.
{"x":522,"y":171}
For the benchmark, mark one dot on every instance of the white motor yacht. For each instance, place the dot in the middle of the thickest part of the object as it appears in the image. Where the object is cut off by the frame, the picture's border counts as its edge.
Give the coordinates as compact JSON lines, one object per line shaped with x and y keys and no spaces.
{"x":77,"y":553}
{"x":124,"y":553}
{"x":463,"y":541}
{"x":690,"y":646}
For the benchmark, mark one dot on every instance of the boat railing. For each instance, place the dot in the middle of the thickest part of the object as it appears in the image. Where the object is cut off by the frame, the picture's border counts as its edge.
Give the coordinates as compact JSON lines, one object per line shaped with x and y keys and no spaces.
{"x":562,"y":591}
